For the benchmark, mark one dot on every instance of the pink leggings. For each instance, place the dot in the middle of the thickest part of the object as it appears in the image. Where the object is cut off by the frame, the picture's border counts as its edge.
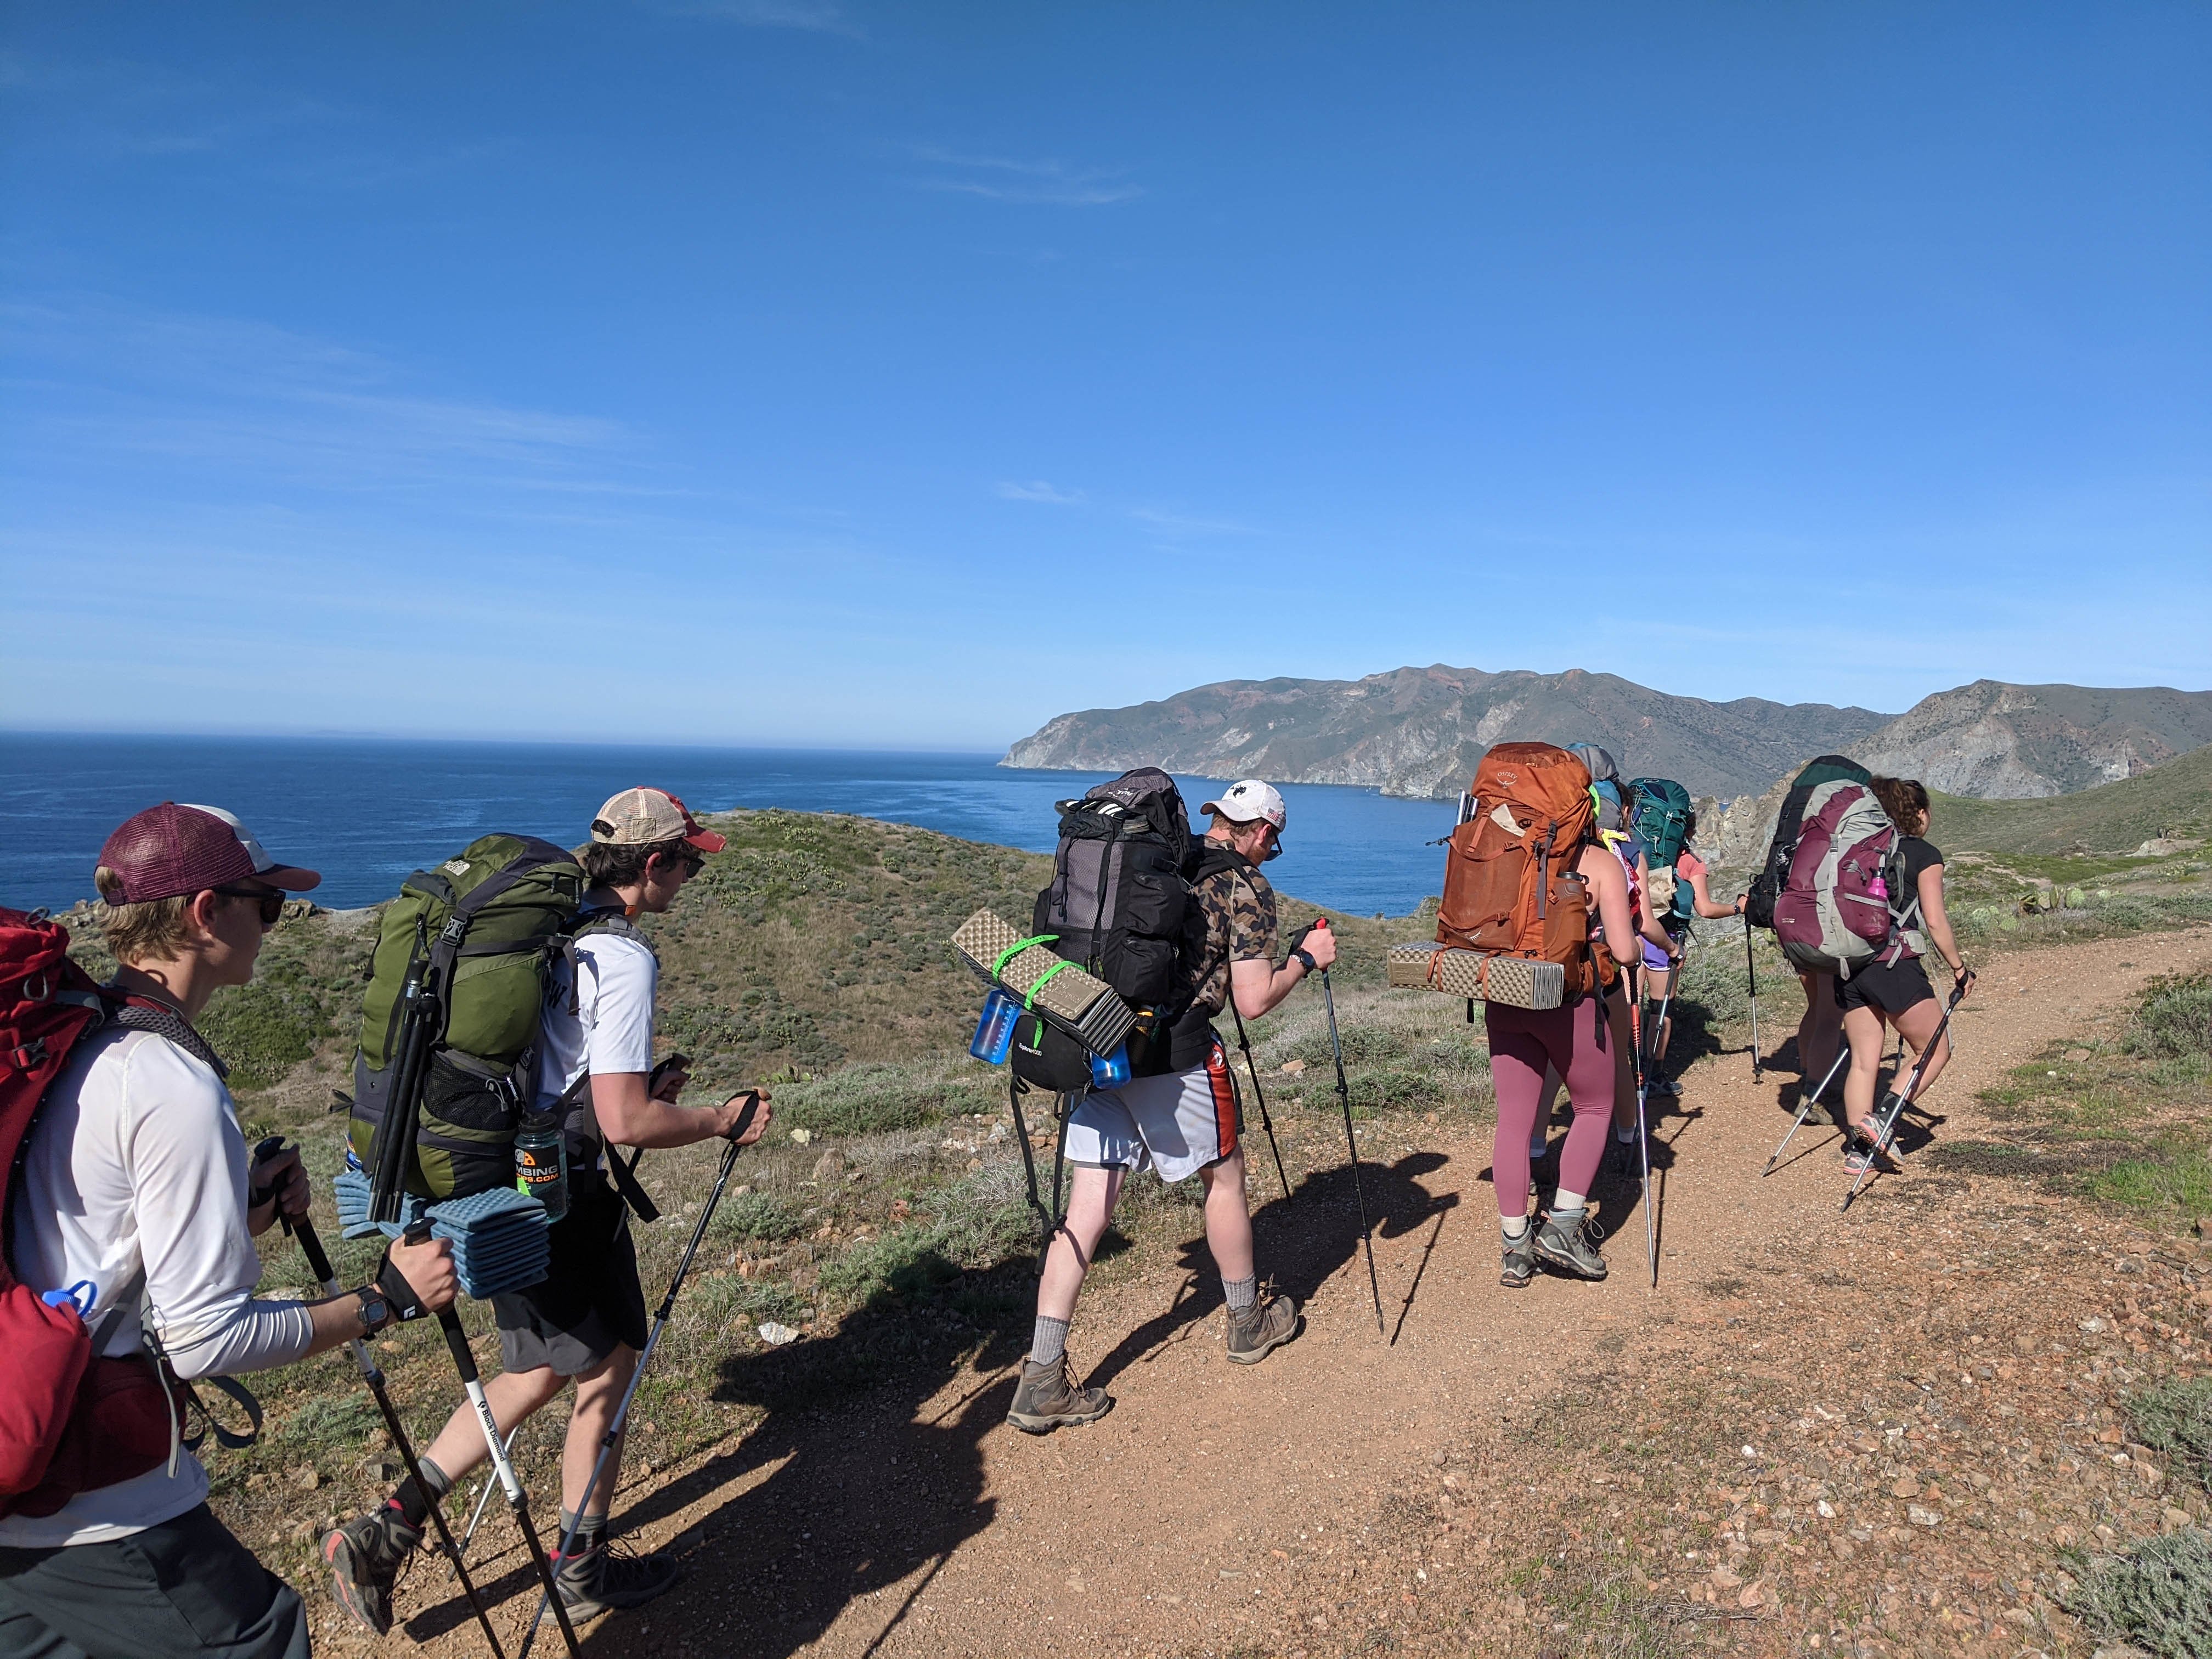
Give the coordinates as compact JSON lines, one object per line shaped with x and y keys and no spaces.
{"x":1575,"y":1043}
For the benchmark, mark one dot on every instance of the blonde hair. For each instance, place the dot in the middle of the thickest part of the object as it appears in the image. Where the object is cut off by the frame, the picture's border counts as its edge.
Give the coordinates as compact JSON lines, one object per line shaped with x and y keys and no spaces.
{"x":154,"y":931}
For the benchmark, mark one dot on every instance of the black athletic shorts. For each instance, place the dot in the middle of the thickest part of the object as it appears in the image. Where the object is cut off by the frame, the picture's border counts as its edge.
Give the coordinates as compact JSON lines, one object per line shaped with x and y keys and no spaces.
{"x":592,"y":1302}
{"x":1887,"y":990}
{"x":185,"y":1587}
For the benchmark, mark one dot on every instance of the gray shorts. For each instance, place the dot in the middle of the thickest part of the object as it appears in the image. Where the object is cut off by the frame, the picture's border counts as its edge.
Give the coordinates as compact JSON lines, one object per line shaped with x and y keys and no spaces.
{"x":1177,"y":1124}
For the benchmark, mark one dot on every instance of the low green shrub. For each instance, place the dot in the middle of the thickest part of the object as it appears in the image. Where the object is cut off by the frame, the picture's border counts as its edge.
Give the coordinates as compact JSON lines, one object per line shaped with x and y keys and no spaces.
{"x":2175,"y":1419}
{"x":2157,"y":1595}
{"x":757,"y":1215}
{"x":873,"y":1099}
{"x":2173,"y":1021}
{"x":261,"y":1031}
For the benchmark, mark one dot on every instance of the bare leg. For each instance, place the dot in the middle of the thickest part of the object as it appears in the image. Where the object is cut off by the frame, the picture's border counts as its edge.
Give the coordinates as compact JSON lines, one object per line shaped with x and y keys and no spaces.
{"x":1916,"y":1024}
{"x":599,"y":1396}
{"x":1864,"y":1029}
{"x":1091,"y":1196}
{"x":514,"y":1395}
{"x":1821,"y":1029}
{"x":1228,"y":1217}
{"x":1659,"y":982}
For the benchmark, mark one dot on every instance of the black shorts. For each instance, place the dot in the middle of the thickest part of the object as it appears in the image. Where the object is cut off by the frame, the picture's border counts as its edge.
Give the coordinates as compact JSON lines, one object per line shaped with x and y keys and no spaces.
{"x":185,"y":1587}
{"x":1887,"y":990}
{"x":591,"y":1303}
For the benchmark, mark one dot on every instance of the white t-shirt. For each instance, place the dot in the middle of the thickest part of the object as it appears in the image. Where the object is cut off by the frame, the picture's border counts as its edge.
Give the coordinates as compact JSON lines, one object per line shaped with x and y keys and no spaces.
{"x":136,"y":1166}
{"x":611,"y":1030}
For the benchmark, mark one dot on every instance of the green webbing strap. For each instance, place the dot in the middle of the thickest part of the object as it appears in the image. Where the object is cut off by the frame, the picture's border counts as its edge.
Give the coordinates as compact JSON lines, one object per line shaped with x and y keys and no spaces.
{"x":1029,"y":1002}
{"x":998,"y":966}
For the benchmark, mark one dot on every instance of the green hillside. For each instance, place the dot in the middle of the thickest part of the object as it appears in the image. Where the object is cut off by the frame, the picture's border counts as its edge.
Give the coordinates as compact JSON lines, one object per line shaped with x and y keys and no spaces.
{"x":2175,"y":800}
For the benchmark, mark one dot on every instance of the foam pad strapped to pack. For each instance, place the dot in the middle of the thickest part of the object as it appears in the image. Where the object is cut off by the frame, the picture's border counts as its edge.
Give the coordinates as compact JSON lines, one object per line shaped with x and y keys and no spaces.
{"x":1510,"y":982}
{"x":500,"y":1235}
{"x":1080,"y":1004}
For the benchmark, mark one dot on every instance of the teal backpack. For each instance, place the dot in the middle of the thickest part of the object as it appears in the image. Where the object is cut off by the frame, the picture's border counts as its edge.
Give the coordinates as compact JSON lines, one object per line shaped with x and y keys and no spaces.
{"x":1663,"y":824}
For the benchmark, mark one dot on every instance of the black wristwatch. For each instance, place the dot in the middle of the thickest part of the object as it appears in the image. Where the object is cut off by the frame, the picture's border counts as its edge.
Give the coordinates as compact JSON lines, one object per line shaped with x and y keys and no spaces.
{"x":1301,"y":954}
{"x":375,"y":1309}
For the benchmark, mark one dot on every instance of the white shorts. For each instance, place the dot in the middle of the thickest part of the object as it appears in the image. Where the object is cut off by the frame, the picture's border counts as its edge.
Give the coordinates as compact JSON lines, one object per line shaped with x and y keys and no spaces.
{"x":1177,"y":1124}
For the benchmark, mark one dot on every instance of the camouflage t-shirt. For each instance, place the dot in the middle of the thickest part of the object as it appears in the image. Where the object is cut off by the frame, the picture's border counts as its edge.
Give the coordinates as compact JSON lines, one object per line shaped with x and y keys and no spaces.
{"x":1237,"y":909}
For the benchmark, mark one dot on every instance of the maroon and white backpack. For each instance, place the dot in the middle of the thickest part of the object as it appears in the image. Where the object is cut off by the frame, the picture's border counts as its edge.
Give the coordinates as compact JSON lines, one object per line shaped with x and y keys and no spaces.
{"x":1835,"y":913}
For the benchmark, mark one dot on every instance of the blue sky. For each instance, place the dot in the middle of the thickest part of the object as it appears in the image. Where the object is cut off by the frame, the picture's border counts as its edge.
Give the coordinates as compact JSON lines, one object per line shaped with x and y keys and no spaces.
{"x":777,"y":372}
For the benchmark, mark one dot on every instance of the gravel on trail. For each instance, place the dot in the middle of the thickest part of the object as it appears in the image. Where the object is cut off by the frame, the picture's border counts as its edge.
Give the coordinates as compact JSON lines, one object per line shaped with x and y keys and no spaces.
{"x":1872,"y":1433}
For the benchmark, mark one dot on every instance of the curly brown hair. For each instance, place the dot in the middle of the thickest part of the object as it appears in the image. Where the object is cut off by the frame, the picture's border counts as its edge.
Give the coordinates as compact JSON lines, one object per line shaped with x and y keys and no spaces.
{"x":1905,"y":800}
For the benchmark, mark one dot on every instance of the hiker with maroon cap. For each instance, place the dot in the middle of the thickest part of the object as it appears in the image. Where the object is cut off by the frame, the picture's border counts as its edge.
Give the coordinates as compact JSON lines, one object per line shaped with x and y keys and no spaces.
{"x":134,"y":1191}
{"x":586,"y":1322}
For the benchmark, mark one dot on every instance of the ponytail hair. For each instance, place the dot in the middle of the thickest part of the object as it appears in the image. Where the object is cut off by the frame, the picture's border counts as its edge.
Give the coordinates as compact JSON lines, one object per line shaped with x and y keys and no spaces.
{"x":1906,"y":800}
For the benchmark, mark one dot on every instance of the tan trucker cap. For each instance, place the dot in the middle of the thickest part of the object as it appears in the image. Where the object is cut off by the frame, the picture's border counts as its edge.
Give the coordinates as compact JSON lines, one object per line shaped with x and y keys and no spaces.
{"x":640,"y":816}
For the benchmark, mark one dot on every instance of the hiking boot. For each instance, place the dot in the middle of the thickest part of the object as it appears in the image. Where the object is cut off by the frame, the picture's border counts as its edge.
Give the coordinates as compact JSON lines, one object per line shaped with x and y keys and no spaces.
{"x":1047,"y":1398}
{"x":1861,"y":1152}
{"x":1569,"y":1243}
{"x":1519,"y":1265}
{"x":1262,"y":1328}
{"x":364,"y":1557}
{"x":607,"y":1577}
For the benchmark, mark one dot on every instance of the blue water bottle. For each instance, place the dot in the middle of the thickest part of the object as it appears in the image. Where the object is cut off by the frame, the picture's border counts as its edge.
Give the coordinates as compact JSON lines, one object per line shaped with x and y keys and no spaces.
{"x":994,"y":1030}
{"x":1109,"y":1070}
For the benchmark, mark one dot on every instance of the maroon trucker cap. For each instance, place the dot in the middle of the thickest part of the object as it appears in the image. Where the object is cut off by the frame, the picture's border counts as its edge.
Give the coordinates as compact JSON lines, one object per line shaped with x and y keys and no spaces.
{"x":168,"y":851}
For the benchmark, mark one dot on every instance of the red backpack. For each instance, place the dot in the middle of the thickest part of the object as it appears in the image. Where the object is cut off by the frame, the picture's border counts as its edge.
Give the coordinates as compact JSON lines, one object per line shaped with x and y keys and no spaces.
{"x":68,"y":1422}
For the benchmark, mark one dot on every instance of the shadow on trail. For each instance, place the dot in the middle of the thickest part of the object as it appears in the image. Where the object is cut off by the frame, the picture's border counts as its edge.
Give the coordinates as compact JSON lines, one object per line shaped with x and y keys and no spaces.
{"x":1302,"y":1242}
{"x":850,"y":1485}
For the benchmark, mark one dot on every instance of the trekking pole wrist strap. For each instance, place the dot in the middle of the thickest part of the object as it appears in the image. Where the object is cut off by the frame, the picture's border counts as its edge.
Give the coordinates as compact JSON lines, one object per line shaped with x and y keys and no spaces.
{"x":391,"y":1285}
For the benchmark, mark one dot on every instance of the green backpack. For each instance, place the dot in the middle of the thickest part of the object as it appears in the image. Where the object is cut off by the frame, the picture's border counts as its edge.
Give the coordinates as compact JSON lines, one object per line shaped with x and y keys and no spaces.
{"x":481,"y":930}
{"x":1663,"y":824}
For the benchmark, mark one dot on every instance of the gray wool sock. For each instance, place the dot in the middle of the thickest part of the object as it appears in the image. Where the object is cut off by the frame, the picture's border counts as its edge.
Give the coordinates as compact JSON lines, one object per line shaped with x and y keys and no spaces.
{"x":1241,"y":1293}
{"x":1049,"y":1342}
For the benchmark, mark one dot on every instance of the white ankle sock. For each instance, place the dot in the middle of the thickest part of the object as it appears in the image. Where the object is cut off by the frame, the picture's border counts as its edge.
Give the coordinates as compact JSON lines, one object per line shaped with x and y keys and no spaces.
{"x":1513,"y":1226}
{"x":1564,"y":1201}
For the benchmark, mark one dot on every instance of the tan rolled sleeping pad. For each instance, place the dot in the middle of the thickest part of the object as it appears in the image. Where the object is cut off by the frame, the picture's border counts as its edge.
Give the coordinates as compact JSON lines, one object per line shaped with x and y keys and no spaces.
{"x":1079,"y":1002}
{"x":1512,"y":982}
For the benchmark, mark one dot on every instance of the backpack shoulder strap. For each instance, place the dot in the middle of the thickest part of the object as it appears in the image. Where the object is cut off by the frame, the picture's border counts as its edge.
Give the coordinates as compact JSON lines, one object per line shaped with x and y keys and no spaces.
{"x":144,"y":1014}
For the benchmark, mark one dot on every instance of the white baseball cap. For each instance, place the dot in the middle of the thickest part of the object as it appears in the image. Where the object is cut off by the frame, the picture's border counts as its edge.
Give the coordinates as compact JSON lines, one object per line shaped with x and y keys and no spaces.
{"x":1248,"y":800}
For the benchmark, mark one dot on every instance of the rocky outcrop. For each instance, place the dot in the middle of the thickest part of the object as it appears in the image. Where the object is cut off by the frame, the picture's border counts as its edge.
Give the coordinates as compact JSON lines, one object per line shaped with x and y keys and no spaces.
{"x":1421,"y":731}
{"x":1998,"y":741}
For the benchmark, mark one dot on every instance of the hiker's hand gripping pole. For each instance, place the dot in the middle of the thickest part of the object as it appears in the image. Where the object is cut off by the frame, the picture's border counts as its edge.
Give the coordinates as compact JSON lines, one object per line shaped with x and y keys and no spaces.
{"x":319,"y":1264}
{"x":1899,"y":1097}
{"x":613,"y":1437}
{"x":518,"y":1500}
{"x":1344,"y":1099}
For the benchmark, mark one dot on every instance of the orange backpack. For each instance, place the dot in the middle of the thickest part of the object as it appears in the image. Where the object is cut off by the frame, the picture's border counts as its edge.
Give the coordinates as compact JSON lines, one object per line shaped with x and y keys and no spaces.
{"x":1511,"y":887}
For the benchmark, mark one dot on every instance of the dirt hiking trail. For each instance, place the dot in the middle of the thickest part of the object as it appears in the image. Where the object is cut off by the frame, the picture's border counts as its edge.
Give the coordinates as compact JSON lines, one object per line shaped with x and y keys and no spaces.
{"x":1354,"y":1493}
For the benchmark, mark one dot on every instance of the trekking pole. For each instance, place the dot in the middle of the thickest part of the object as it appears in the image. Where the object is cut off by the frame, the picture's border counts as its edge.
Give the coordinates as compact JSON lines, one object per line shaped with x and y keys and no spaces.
{"x":1258,"y":1093}
{"x":518,"y":1500}
{"x":1805,"y":1108}
{"x":1643,"y":1139}
{"x":1751,"y":973}
{"x":1344,"y":1099}
{"x":483,"y":1497}
{"x":1897,"y":1097}
{"x":608,"y":1441}
{"x":319,"y":1264}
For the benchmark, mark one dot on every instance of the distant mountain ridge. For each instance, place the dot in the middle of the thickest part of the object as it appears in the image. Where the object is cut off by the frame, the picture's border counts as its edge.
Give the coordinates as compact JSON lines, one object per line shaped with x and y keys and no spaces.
{"x":1995,"y":741}
{"x":1420,"y":732}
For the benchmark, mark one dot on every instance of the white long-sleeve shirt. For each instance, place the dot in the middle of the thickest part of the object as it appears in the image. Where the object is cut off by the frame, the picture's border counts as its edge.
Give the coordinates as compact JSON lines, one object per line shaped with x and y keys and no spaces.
{"x":136,"y":1166}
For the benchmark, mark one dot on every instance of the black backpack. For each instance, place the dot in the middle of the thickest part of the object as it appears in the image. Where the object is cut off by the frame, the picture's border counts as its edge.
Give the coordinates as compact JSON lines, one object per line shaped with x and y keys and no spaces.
{"x":1766,"y":886}
{"x":1118,"y":906}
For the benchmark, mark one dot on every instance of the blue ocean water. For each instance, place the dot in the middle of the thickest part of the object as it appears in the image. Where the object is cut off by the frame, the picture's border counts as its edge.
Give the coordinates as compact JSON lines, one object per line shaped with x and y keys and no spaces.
{"x":366,"y":811}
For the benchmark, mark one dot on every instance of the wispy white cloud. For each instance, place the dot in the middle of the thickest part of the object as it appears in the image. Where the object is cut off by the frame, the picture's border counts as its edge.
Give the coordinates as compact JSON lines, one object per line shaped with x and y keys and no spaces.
{"x":1038,"y":490}
{"x":1045,"y":183}
{"x":820,"y":16}
{"x":239,"y":398}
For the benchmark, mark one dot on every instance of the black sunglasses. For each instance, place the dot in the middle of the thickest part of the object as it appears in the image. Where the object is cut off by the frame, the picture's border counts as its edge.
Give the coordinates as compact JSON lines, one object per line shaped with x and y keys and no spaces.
{"x":271,"y":904}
